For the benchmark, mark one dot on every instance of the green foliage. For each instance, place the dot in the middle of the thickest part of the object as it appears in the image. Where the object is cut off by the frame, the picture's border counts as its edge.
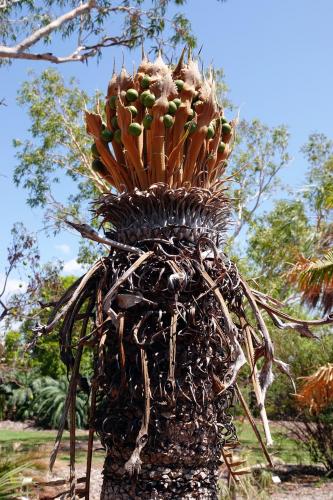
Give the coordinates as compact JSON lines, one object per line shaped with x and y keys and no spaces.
{"x":316,"y":434}
{"x":10,"y":479}
{"x":137,"y":21}
{"x":12,"y":346}
{"x":319,"y":189}
{"x":259,"y":155}
{"x":50,"y":400}
{"x":275,"y":240}
{"x":41,"y":399}
{"x":59,"y":142}
{"x":25,"y":373}
{"x":23,"y":397}
{"x":304,"y":357}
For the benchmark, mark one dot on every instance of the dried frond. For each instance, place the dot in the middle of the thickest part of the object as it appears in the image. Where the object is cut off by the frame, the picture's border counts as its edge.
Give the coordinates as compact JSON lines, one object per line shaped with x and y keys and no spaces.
{"x":163,"y":212}
{"x":314,"y":279}
{"x":317,"y":391}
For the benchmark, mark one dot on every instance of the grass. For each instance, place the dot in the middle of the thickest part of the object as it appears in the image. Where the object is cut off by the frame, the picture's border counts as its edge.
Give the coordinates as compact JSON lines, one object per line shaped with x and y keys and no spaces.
{"x":258,"y":485}
{"x":284,"y":448}
{"x":34,"y":436}
{"x":25,"y":442}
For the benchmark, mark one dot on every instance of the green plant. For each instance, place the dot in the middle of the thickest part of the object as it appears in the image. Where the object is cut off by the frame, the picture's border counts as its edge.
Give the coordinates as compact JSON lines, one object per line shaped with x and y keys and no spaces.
{"x":249,"y":487}
{"x":10,"y":478}
{"x":315,"y":431}
{"x":50,"y":401}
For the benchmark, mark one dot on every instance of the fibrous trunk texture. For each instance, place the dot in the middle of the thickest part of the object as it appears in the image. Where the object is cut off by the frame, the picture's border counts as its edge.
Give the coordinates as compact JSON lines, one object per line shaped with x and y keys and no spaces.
{"x":168,"y":369}
{"x":168,"y":329}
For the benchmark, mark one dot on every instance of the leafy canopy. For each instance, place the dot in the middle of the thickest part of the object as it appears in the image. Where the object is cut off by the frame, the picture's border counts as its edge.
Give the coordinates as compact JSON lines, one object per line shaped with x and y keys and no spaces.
{"x":27,"y":27}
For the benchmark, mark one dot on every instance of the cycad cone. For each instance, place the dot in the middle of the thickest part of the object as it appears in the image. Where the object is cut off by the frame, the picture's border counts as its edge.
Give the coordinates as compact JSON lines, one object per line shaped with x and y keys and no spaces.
{"x":168,"y":151}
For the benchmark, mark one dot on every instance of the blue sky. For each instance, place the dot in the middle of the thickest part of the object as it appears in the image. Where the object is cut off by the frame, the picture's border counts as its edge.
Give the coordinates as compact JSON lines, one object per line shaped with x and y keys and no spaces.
{"x":277,"y":58}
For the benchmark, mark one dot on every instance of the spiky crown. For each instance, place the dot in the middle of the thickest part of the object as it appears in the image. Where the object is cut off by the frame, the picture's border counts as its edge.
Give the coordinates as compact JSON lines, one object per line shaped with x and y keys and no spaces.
{"x":164,"y":125}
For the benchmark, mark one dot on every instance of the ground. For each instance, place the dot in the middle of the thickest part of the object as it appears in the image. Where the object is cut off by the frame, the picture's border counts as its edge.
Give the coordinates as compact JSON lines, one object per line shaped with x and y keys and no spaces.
{"x":299,"y":478}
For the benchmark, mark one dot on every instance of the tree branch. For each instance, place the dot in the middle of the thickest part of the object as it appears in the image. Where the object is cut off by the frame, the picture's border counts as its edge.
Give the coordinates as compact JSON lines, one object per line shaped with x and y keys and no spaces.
{"x":46,"y":30}
{"x":82,"y":52}
{"x":6,"y":53}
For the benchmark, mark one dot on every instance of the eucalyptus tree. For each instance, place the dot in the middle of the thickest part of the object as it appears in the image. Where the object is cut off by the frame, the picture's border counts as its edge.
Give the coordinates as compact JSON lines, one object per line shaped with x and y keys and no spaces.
{"x":87,"y":27}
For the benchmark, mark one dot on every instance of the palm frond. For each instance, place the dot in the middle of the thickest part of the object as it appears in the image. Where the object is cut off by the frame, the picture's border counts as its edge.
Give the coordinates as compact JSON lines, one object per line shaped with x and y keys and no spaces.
{"x":317,"y":391}
{"x":314,"y":279}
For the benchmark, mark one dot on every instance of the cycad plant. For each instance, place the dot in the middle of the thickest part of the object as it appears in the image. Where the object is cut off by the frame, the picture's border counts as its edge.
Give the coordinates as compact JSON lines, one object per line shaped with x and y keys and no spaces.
{"x":50,"y":400}
{"x":20,"y":390}
{"x":314,"y":278}
{"x":165,"y":311}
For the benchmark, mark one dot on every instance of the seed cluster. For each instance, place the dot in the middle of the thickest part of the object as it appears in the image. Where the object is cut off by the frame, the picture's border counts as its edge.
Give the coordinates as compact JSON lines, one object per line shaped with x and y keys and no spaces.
{"x":163,"y":124}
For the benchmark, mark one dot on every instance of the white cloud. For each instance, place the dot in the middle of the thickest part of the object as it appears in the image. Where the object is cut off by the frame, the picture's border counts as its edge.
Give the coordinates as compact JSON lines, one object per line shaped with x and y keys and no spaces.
{"x":73,"y":267}
{"x":63,"y":248}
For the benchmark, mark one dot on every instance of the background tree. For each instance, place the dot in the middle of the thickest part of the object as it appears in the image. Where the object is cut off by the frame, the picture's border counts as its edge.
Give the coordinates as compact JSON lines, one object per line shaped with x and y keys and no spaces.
{"x":281,"y":244}
{"x":88,"y":28}
{"x":260,"y":153}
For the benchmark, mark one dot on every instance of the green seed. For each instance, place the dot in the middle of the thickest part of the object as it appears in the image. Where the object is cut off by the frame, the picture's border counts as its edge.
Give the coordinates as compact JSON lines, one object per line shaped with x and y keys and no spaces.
{"x":107,"y":135}
{"x":191,"y":113}
{"x":168,"y":121}
{"x":143,"y":95}
{"x":117,"y":136}
{"x":226,"y":128}
{"x":94,"y":151}
{"x":210,"y":132}
{"x":114,"y":122}
{"x":191,"y":126}
{"x":135,"y":129}
{"x":147,"y":121}
{"x":131,"y":95}
{"x":179,"y":85}
{"x":221,"y":147}
{"x":133,"y":110}
{"x":149,"y":100}
{"x":113,"y":101}
{"x":145,"y":82}
{"x":177,"y":102}
{"x":98,"y":166}
{"x":172,"y":108}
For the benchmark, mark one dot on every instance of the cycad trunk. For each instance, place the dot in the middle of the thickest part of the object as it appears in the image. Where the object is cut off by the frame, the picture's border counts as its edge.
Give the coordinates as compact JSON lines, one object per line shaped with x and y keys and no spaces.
{"x":185,"y":432}
{"x":168,"y":370}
